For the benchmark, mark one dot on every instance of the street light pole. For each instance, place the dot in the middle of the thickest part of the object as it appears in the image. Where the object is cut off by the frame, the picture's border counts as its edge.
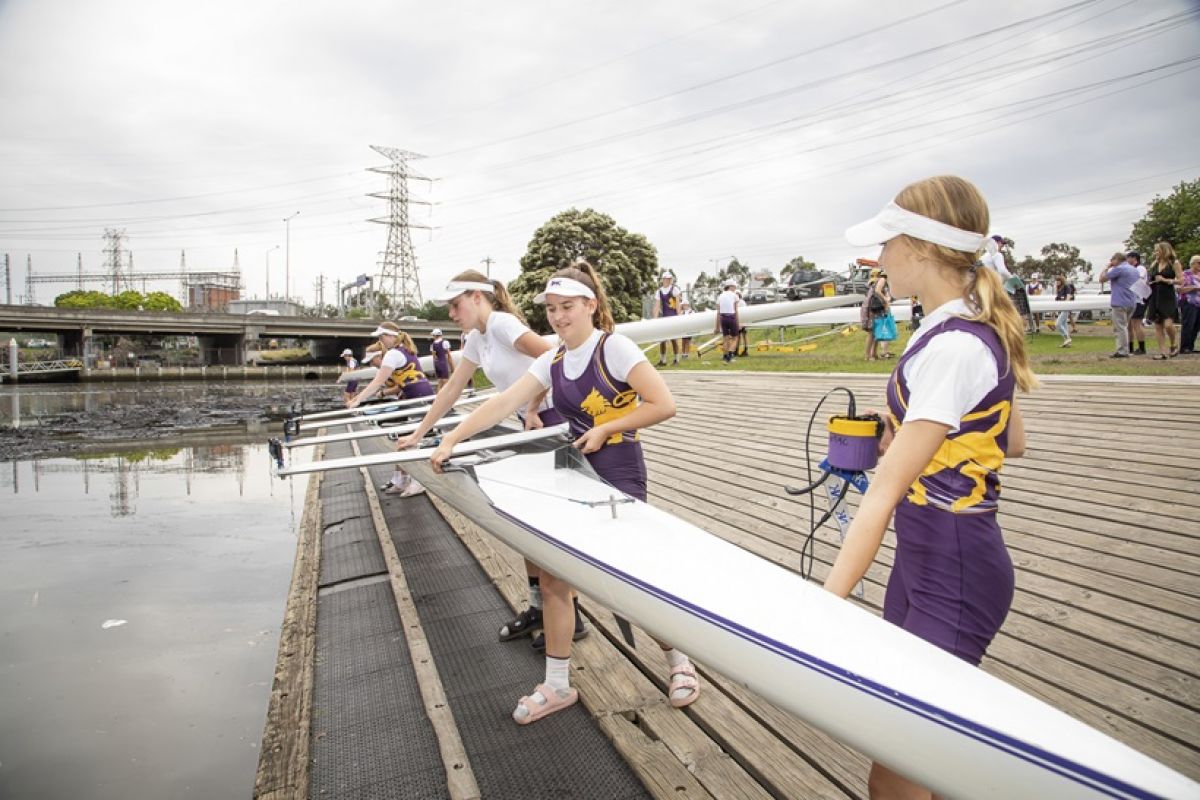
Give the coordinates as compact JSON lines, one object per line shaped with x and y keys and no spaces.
{"x":287,"y":256}
{"x":272,"y":250}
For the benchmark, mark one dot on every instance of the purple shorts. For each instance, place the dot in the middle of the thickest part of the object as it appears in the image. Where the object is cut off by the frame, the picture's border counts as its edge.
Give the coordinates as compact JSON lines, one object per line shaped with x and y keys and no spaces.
{"x":952,"y":581}
{"x":729,"y":324}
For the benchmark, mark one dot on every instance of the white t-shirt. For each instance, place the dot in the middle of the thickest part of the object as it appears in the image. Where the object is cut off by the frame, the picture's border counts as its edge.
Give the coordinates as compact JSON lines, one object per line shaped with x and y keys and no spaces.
{"x":727,"y":302}
{"x":495,"y":349}
{"x":621,"y":355}
{"x":952,"y":374}
{"x":995,"y":261}
{"x":393,"y":360}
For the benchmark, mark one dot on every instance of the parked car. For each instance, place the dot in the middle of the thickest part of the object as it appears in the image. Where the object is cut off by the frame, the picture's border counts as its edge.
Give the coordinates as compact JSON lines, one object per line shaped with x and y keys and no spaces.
{"x":805,"y":283}
{"x":39,"y":343}
{"x":263,"y":312}
{"x":756,"y":297}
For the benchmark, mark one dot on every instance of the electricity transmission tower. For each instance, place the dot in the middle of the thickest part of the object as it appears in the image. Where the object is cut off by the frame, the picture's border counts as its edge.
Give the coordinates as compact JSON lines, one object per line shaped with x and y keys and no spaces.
{"x":118,"y":261}
{"x":398,"y":278}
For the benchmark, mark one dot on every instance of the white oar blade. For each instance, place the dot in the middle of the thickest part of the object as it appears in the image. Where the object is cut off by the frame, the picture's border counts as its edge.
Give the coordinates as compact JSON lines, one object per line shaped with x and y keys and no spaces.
{"x":370,"y":433}
{"x":400,"y":413}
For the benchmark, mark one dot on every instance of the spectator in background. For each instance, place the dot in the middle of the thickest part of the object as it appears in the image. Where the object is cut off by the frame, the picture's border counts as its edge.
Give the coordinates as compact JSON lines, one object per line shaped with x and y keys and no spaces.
{"x":685,"y":344}
{"x":439,"y":348}
{"x":1122,"y":275}
{"x":1020,"y":299}
{"x":995,"y":261}
{"x":1162,"y":307}
{"x":1141,"y":291}
{"x":743,"y":340}
{"x":349,"y":364}
{"x":1063,"y":290}
{"x":872,"y":306}
{"x":666,"y":304}
{"x":1189,"y":305}
{"x":885,"y":324}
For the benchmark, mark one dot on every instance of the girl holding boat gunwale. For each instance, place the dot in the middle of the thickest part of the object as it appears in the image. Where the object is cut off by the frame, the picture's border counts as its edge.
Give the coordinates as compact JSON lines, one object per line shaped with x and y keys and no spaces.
{"x":603,"y":385}
{"x":496,"y":340}
{"x":401,"y":369}
{"x":953,"y":420}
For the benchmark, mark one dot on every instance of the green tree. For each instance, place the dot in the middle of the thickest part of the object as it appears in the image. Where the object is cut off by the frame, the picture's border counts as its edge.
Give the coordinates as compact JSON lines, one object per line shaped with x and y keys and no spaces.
{"x":1175,"y":219}
{"x":1057,"y":258}
{"x":80,"y":298}
{"x":795,"y":265}
{"x":626,"y":262}
{"x":161,"y":301}
{"x":129,"y":300}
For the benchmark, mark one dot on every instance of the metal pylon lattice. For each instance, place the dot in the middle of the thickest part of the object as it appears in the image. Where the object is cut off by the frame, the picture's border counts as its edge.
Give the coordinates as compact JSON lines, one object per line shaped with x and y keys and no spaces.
{"x":118,"y":262}
{"x":398,"y":277}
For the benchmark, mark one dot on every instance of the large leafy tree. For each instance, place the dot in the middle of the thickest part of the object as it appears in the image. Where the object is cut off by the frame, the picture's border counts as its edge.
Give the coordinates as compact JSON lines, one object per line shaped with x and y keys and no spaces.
{"x":1175,"y":219}
{"x":795,"y":265}
{"x":1057,"y":258}
{"x":161,"y":301}
{"x":626,"y":262}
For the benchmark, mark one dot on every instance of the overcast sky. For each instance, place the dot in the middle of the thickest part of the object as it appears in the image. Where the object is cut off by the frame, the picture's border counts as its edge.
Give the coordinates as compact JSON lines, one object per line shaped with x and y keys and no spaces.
{"x":757,"y":129}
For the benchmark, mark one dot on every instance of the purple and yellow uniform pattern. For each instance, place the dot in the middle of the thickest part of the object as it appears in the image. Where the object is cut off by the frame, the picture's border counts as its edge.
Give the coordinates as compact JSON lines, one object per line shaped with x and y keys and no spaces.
{"x":952,"y":581}
{"x":592,"y":399}
{"x":410,"y":378}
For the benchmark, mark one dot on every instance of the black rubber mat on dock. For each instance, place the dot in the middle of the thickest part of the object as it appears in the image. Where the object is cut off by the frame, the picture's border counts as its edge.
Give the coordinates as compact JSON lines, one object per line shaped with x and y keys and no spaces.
{"x":371,"y":737}
{"x":562,"y":756}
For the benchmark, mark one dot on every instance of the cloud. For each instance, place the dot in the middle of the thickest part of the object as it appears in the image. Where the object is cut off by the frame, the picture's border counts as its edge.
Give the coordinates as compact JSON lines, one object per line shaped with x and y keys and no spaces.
{"x":714,"y":128}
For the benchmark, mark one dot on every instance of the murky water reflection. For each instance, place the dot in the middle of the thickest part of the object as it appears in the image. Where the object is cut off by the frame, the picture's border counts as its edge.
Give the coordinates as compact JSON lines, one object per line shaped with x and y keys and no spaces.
{"x":140,"y":601}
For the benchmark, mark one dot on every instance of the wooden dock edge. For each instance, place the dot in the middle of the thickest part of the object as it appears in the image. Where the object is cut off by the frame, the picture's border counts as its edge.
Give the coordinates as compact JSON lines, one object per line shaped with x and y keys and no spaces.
{"x":460,"y":778}
{"x":283,"y":759}
{"x":713,"y":749}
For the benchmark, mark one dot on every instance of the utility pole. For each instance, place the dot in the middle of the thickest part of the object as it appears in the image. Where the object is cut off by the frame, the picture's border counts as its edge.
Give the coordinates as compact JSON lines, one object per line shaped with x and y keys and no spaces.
{"x":319,"y":285}
{"x":271,"y":250}
{"x":398,"y":277}
{"x":7,"y":281}
{"x":487,"y":263}
{"x":29,"y":300}
{"x":79,"y":271}
{"x":287,"y":256}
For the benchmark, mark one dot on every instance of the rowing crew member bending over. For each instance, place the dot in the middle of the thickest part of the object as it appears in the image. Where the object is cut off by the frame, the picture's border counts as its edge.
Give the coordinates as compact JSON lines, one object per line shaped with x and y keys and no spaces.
{"x":498,"y":341}
{"x":400,"y":368}
{"x":607,"y":390}
{"x":955,"y":420}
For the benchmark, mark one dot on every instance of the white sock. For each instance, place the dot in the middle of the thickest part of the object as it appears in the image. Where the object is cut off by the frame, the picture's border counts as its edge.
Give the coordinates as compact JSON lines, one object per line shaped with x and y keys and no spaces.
{"x":535,"y":596}
{"x":398,"y":477}
{"x":558,"y":673}
{"x":675,"y":658}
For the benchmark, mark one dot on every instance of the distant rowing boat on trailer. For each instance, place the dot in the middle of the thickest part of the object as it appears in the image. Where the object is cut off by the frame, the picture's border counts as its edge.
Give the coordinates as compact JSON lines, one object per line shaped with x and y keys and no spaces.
{"x":60,"y":371}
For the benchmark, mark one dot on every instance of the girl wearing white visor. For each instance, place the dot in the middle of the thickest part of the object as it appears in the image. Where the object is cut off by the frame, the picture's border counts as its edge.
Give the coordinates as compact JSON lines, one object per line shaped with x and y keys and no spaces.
{"x":498,"y":341}
{"x":952,"y":420}
{"x":603,"y":385}
{"x":401,"y":369}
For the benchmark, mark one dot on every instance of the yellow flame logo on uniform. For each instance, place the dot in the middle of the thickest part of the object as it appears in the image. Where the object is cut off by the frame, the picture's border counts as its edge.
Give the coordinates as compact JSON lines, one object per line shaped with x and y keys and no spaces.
{"x":598,"y":407}
{"x":974,"y":454}
{"x":406,"y":375}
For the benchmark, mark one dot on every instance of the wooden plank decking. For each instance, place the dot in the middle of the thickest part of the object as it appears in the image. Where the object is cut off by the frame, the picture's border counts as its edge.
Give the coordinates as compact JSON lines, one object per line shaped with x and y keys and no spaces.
{"x":1101,"y":519}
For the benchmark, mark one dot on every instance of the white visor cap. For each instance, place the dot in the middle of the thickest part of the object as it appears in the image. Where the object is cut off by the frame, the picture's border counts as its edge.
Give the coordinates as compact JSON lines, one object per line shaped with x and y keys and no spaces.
{"x":347,"y":352}
{"x":728,"y":283}
{"x":455,"y":288}
{"x":436,"y":332}
{"x":380,"y":331}
{"x":893,"y":221}
{"x":564,"y":287}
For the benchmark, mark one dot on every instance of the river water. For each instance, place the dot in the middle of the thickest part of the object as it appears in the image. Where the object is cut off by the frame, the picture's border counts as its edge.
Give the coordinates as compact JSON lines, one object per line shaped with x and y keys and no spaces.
{"x":144,"y":568}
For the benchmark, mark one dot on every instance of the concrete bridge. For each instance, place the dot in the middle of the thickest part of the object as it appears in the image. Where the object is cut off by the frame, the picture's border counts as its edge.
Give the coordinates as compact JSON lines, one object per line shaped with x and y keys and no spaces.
{"x":224,"y":338}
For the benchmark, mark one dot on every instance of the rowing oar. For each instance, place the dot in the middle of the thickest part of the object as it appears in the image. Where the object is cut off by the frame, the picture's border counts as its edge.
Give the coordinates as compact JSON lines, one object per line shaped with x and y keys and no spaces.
{"x":369,"y":433}
{"x":389,"y":415}
{"x":376,"y":408}
{"x":402,"y":456}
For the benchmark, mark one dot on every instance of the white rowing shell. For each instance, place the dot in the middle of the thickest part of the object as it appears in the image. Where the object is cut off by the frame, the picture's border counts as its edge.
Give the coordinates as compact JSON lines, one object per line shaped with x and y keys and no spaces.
{"x":422,"y":454}
{"x":645,"y":331}
{"x":902,"y":311}
{"x":409,"y":410}
{"x":900,"y":700}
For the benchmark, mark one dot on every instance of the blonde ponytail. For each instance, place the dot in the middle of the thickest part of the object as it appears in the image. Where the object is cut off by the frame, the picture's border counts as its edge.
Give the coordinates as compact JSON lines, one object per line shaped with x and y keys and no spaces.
{"x":405,"y":341}
{"x":996,"y":310}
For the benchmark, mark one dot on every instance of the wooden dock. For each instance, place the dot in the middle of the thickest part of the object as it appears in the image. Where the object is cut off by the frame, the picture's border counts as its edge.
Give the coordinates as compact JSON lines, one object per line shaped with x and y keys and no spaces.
{"x":1100,"y":516}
